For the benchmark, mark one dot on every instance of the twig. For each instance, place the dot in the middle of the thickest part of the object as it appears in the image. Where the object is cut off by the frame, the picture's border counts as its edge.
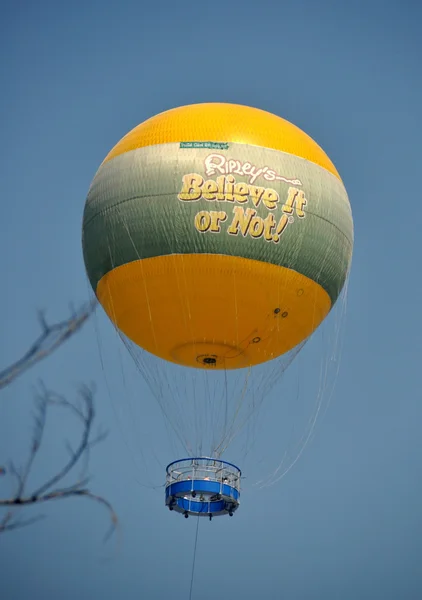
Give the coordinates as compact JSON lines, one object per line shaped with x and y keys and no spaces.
{"x":51,"y":338}
{"x":43,"y":493}
{"x":7,"y":523}
{"x":36,"y":443}
{"x":87,"y":419}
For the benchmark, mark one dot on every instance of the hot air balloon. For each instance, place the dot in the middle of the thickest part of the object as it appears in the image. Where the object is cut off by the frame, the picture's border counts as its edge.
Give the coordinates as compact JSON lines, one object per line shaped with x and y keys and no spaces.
{"x":217,"y":238}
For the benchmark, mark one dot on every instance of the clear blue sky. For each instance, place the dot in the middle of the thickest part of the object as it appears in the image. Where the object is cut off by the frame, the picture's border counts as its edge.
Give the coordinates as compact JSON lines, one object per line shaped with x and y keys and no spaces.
{"x":74,"y":77}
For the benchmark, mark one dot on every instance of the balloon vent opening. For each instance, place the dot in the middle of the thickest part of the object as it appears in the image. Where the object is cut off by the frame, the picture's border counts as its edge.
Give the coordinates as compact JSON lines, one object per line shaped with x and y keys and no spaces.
{"x":210,"y":355}
{"x":208,"y":361}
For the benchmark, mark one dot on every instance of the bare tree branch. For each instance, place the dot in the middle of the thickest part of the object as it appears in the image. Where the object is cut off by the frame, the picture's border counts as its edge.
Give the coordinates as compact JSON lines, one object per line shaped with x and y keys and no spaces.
{"x":6,"y":524}
{"x":85,"y":414}
{"x":87,"y":420}
{"x":36,"y":443}
{"x":52,"y":336}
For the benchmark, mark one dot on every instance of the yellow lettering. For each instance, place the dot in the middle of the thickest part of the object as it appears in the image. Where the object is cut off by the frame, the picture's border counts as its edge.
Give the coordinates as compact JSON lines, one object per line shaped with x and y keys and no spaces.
{"x":282,"y":224}
{"x":257,"y":227}
{"x":241,"y":220}
{"x":270,"y":198}
{"x":203,"y":221}
{"x":217,"y":217}
{"x":291,"y":197}
{"x":269,"y":224}
{"x":191,"y":190}
{"x":241,"y":191}
{"x":220,"y":187}
{"x":209,"y":190}
{"x":255,"y":193}
{"x":230,"y":181}
{"x":301,"y":202}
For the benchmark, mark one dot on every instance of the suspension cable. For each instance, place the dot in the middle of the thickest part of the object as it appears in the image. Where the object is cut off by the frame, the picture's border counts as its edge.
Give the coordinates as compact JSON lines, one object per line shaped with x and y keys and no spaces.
{"x":194,"y":559}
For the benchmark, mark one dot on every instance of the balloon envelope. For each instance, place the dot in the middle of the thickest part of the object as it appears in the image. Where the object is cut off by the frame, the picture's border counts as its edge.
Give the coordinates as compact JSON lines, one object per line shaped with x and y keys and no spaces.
{"x":217,"y":236}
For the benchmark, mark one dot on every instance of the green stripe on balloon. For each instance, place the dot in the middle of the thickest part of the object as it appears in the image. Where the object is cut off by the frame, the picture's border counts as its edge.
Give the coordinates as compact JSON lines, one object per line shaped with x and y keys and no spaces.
{"x":134,"y":211}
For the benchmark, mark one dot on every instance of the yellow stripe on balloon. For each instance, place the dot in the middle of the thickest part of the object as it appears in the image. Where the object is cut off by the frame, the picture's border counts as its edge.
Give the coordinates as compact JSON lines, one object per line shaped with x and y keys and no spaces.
{"x":223,"y":311}
{"x":219,"y":122}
